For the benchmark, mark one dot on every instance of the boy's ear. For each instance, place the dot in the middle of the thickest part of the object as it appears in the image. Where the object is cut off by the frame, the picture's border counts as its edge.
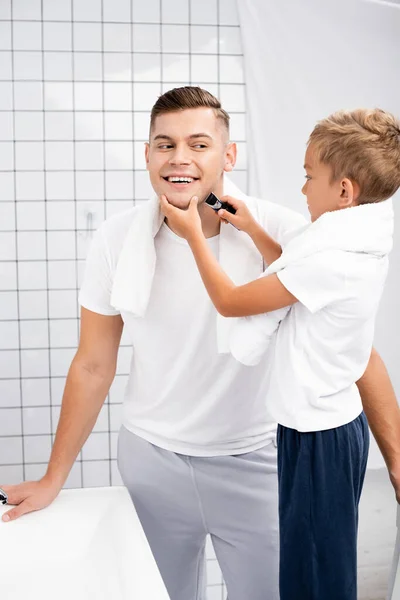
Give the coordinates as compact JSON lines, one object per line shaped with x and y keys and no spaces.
{"x":349,"y":194}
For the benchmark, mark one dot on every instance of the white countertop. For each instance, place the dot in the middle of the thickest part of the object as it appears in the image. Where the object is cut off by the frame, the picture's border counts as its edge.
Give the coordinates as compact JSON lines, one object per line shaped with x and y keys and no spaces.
{"x":87,"y":545}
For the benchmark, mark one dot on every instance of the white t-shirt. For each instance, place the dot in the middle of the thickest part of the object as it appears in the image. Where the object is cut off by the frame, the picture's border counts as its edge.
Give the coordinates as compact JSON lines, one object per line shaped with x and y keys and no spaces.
{"x":324,"y":343}
{"x":182,"y":395}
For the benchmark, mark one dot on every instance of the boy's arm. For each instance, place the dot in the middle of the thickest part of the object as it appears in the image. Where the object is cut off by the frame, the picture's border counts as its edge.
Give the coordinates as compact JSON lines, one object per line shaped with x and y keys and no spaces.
{"x":383,"y":414}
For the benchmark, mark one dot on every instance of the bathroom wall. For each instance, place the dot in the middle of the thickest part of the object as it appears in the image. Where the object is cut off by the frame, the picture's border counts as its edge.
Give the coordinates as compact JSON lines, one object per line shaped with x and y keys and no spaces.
{"x":77,"y":81}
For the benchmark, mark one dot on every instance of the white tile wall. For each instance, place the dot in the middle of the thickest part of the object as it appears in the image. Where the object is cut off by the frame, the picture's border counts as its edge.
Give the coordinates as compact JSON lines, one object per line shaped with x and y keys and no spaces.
{"x":77,"y":82}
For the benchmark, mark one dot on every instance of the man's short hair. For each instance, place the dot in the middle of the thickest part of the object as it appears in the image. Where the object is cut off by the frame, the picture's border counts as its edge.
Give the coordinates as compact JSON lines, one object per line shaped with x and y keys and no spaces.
{"x":186,"y":97}
{"x":363,"y":145}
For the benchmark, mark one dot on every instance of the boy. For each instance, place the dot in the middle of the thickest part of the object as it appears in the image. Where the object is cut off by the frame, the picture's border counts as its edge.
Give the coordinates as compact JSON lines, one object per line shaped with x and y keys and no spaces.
{"x":332,"y":275}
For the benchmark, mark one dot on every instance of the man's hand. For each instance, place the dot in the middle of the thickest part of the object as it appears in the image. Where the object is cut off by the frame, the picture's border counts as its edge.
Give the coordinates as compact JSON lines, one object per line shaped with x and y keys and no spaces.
{"x":243,"y":219}
{"x":28,"y":497}
{"x":185,"y":223}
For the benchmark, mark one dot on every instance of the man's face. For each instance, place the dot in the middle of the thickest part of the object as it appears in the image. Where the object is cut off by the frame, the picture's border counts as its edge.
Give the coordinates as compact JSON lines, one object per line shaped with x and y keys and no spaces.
{"x":187,"y":155}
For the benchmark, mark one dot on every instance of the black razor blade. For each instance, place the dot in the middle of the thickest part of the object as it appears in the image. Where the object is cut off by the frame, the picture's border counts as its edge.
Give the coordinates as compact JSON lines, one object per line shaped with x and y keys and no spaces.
{"x":216,"y":204}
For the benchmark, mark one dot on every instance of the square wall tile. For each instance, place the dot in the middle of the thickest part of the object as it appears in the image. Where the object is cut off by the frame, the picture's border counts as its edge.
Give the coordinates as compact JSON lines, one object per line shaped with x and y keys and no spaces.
{"x":31,"y":216}
{"x":7,"y":245}
{"x":6,"y":126}
{"x":26,"y":11}
{"x":117,"y":10}
{"x":7,"y":216}
{"x":9,"y":365}
{"x":58,"y":66}
{"x":7,"y":188}
{"x":59,"y":156}
{"x":117,"y":67}
{"x":8,"y":309}
{"x":57,"y":10}
{"x":60,"y":216}
{"x":32,"y":275}
{"x":146,"y":38}
{"x":204,"y":12}
{"x":96,"y":473}
{"x":10,"y":421}
{"x":118,"y":126}
{"x":35,"y":392}
{"x":60,"y":186}
{"x":34,"y":334}
{"x":87,"y":66}
{"x":11,"y":450}
{"x":28,"y":65}
{"x":96,"y":447}
{"x":7,"y":155}
{"x":57,"y":36}
{"x":175,"y":67}
{"x":9,"y":335}
{"x":117,"y":96}
{"x":203,"y":40}
{"x":37,"y":448}
{"x":30,"y":185}
{"x":6,"y":65}
{"x":8,"y":276}
{"x":145,"y":95}
{"x":28,"y":95}
{"x":175,"y":11}
{"x":27,"y":35}
{"x":29,"y":156}
{"x":63,"y":304}
{"x":90,"y":10}
{"x":33,"y":304}
{"x":228,"y":13}
{"x":58,"y":95}
{"x":204,"y":68}
{"x":87,"y":36}
{"x":5,"y":35}
{"x":89,"y":215}
{"x":31,"y":245}
{"x":119,"y":155}
{"x":230,"y":40}
{"x":29,"y":126}
{"x":6,"y":96}
{"x":89,"y":186}
{"x":175,"y":38}
{"x":35,"y":363}
{"x":13,"y":474}
{"x":146,"y":67}
{"x":59,"y":126}
{"x":36,"y":420}
{"x":88,"y":96}
{"x":146,"y":12}
{"x":62,"y":274}
{"x":117,"y":37}
{"x":10,"y":393}
{"x":62,"y":334}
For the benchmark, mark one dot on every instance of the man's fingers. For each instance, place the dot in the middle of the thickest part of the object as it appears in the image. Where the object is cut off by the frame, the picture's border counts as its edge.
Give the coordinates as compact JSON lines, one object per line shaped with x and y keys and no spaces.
{"x":18,"y":511}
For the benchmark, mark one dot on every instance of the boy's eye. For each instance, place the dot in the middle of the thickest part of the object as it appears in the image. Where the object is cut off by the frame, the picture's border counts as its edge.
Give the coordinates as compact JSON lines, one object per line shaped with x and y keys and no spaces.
{"x":307,"y":177}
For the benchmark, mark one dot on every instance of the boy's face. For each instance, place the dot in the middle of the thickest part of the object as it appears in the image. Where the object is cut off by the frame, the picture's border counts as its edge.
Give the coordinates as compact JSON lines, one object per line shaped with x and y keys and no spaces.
{"x":193,"y":144}
{"x":322,"y":195}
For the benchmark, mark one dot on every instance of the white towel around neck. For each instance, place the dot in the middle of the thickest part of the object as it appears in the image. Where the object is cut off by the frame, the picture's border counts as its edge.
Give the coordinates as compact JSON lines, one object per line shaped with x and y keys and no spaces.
{"x":367,"y":229}
{"x":137,"y":261}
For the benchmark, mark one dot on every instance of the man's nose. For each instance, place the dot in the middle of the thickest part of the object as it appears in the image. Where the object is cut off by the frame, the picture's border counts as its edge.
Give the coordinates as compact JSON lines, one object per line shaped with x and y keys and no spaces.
{"x":180,"y":156}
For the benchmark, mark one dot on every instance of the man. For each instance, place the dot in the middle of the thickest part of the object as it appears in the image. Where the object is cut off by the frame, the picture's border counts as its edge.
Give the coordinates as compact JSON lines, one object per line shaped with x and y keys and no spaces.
{"x":197,"y":451}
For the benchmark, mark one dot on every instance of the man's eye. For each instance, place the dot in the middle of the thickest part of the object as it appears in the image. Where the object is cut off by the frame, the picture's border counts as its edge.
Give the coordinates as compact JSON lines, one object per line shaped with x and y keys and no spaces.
{"x":164,"y":146}
{"x":200,"y":146}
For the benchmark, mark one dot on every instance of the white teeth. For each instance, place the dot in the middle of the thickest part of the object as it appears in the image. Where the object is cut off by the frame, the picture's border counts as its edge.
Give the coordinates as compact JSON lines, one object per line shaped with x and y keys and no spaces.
{"x":180,"y":179}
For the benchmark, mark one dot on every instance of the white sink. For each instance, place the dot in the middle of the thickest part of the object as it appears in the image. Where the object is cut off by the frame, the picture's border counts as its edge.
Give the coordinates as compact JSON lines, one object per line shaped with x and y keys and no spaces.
{"x":87,"y":545}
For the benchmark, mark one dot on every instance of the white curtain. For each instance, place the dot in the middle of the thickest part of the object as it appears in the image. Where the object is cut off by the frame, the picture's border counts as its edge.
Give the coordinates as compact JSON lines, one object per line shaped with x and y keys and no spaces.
{"x":303,"y":60}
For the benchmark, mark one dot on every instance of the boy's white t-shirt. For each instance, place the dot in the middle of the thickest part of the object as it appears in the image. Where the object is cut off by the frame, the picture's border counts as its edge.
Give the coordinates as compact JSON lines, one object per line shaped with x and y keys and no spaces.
{"x":181,"y":394}
{"x":324,"y":343}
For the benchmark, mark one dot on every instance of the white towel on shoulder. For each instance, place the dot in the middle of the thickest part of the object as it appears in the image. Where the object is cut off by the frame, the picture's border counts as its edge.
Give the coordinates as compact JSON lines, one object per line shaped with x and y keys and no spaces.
{"x":137,"y":261}
{"x":367,"y":228}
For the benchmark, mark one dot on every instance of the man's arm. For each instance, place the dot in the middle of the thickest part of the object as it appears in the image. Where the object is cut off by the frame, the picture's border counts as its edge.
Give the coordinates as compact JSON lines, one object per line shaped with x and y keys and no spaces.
{"x":383,"y":414}
{"x":89,"y":379}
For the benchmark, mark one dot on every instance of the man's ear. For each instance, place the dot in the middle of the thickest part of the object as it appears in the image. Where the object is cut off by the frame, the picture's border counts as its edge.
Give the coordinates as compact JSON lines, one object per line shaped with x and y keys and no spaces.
{"x":349,"y":193}
{"x":230,"y":156}
{"x":146,"y":154}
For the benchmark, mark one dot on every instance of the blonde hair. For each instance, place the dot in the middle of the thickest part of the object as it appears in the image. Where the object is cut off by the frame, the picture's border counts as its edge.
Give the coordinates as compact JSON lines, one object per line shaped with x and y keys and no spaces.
{"x":364,"y":146}
{"x":186,"y":97}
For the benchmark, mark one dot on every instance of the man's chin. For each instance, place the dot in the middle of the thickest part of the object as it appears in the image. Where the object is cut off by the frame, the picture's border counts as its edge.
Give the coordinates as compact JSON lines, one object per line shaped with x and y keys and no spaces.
{"x":179,"y":201}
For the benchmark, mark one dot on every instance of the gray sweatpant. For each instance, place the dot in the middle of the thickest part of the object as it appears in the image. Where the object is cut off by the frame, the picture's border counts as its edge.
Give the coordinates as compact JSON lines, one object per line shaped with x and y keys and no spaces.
{"x":180,"y":499}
